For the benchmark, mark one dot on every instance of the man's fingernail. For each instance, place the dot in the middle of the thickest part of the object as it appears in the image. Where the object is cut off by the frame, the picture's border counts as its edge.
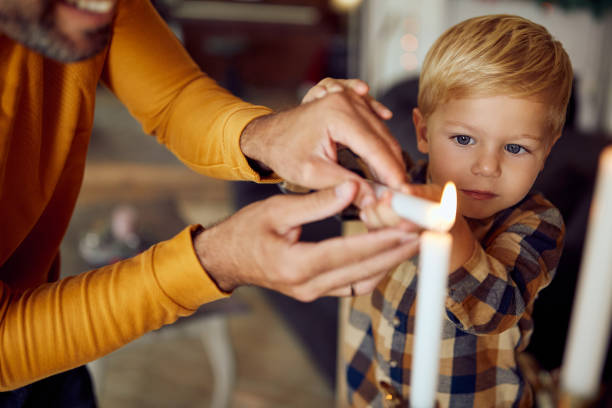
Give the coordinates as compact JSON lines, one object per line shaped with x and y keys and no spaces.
{"x":343,"y":190}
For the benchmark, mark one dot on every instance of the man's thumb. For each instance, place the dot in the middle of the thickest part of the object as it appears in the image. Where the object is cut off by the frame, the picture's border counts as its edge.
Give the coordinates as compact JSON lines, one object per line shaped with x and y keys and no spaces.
{"x":302,"y":209}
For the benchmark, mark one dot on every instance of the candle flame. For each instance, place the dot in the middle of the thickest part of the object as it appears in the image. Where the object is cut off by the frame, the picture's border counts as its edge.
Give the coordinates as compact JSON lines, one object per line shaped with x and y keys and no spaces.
{"x":446,"y":212}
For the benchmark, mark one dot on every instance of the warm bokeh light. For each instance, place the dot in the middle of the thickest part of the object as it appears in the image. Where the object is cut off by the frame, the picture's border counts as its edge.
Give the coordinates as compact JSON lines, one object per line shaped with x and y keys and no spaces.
{"x":345,"y":5}
{"x":409,"y":42}
{"x":409,"y":61}
{"x":412,"y":24}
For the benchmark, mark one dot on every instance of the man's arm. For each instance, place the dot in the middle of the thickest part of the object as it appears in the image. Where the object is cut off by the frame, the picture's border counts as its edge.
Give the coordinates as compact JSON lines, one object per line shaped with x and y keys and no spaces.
{"x":61,"y":325}
{"x":154,"y":77}
{"x":211,"y":130}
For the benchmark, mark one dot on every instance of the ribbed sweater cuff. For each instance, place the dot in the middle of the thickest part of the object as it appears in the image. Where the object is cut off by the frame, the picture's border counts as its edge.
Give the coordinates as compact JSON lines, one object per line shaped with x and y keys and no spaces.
{"x":180,"y":274}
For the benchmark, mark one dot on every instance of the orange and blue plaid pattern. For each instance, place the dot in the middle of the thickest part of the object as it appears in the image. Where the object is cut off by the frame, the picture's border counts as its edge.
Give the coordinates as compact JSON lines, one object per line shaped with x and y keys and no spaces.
{"x":488,"y":316}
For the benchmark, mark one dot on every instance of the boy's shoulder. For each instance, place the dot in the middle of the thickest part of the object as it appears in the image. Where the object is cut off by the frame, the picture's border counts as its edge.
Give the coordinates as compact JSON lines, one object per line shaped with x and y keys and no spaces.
{"x":534,"y":206}
{"x":534,"y":219}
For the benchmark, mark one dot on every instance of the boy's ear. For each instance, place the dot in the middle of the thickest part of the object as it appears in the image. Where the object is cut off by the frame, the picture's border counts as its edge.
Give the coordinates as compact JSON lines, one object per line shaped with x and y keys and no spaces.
{"x":420,"y":127}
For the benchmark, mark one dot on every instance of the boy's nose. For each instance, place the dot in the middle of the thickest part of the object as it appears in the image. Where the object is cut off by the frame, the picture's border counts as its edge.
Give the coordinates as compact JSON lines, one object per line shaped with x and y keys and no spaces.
{"x":487,"y":164}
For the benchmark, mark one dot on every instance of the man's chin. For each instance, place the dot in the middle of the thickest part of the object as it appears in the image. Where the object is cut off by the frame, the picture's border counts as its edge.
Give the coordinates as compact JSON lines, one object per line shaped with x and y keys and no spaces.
{"x":89,"y":50}
{"x":63,"y":49}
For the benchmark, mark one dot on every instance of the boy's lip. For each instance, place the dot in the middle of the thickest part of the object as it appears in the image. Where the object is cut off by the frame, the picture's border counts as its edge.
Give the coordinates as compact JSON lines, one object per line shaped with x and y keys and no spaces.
{"x":479,"y":194}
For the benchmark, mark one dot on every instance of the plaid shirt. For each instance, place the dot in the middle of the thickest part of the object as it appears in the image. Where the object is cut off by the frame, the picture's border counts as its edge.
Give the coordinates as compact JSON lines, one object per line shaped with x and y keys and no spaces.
{"x":488,"y":315}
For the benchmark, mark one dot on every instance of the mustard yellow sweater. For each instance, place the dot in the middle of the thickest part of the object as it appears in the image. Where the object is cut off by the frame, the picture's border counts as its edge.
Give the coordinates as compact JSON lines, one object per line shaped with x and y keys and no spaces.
{"x":46,"y":114}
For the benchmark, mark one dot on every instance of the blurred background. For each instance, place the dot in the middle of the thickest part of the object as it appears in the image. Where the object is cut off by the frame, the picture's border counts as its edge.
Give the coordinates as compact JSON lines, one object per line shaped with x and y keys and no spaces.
{"x":261,"y":349}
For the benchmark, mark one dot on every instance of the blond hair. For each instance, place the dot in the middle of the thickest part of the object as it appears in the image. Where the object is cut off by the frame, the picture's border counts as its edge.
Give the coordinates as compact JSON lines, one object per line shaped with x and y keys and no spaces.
{"x":493,"y":55}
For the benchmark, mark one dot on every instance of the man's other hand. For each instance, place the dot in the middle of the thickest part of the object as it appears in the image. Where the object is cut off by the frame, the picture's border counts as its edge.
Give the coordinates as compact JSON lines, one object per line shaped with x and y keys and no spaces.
{"x":259,"y":245}
{"x":300,"y":144}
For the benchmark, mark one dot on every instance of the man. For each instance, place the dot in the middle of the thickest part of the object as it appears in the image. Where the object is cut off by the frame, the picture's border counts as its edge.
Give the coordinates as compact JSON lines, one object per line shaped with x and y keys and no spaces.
{"x":53,"y":53}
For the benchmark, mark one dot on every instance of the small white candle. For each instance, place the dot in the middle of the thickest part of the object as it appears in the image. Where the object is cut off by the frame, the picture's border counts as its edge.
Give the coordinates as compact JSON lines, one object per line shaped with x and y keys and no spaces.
{"x":425,"y":213}
{"x":431,"y":293}
{"x":589,"y":330}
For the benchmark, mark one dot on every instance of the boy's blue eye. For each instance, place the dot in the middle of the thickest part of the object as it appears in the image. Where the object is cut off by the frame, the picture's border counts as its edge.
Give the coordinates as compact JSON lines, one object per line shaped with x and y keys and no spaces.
{"x":463,"y":139}
{"x":514,"y":148}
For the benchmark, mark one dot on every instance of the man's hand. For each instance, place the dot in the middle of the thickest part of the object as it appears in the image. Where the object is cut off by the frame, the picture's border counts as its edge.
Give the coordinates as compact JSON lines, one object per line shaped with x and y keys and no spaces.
{"x":260,"y":245}
{"x":300,"y":144}
{"x":332,"y":85}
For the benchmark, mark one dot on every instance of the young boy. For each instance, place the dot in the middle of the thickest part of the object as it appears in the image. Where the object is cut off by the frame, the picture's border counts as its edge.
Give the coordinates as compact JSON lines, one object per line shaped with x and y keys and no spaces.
{"x":493,"y":93}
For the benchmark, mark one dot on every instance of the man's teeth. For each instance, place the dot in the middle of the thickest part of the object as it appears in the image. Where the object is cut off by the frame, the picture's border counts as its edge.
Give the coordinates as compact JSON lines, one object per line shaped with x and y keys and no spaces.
{"x":92,"y":5}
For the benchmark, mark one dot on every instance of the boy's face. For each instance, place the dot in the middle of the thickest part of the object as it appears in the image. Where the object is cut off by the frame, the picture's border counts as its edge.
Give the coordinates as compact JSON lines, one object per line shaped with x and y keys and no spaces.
{"x":492,"y":148}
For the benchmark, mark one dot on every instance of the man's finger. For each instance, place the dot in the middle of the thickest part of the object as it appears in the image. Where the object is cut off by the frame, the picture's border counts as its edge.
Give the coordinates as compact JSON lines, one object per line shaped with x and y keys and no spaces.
{"x":358,"y":86}
{"x":380,"y":155}
{"x":296,"y":210}
{"x":381,"y":110}
{"x":334,"y":253}
{"x":358,"y":288}
{"x":329,"y":173}
{"x":368,"y":109}
{"x":316,"y":92}
{"x":381,"y":152}
{"x":365,"y":268}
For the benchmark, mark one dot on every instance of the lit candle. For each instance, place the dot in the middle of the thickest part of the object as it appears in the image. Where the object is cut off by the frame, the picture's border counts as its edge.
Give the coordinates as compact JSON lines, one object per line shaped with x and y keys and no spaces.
{"x":434,"y":265}
{"x":592,"y":312}
{"x":431,"y":293}
{"x":425,"y":213}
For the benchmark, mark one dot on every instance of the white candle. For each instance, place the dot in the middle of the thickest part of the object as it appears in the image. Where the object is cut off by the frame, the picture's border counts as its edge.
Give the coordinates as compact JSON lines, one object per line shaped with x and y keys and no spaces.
{"x":431,"y":293}
{"x":425,"y":213}
{"x":592,"y":312}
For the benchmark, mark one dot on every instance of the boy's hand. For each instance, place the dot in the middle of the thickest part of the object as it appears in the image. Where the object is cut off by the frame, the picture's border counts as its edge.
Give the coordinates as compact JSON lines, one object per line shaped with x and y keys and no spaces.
{"x":331,"y":85}
{"x":381,"y":215}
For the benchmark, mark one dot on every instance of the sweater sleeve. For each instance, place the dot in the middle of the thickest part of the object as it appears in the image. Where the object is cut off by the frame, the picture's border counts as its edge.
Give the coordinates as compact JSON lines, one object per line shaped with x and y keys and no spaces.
{"x":151,"y":73}
{"x":500,"y":281}
{"x":61,"y":325}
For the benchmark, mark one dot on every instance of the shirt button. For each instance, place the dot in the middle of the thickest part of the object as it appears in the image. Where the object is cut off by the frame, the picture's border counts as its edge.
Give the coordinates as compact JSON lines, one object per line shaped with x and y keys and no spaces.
{"x":396,"y":321}
{"x":391,"y":397}
{"x":393,"y":363}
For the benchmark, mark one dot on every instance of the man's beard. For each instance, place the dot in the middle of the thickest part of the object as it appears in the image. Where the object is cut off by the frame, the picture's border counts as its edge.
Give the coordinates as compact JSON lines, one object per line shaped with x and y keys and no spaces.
{"x":43,"y":37}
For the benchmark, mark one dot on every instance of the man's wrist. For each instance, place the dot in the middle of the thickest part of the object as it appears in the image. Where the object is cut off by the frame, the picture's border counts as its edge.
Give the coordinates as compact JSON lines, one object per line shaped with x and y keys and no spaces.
{"x":260,"y":168}
{"x":203,"y":249}
{"x":252,"y":145}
